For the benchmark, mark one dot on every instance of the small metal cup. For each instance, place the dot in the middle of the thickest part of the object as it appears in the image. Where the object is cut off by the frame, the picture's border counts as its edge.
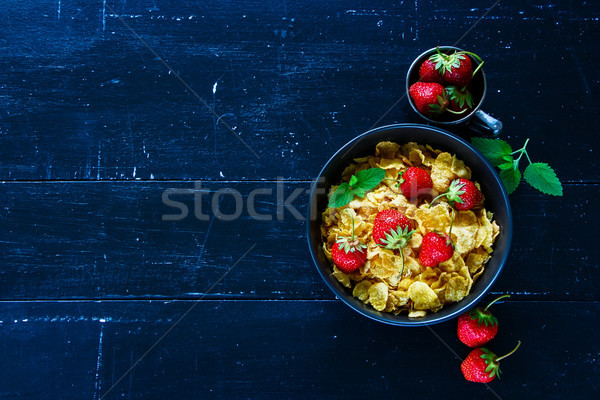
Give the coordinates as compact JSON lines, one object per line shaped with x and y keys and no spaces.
{"x":477,"y":120}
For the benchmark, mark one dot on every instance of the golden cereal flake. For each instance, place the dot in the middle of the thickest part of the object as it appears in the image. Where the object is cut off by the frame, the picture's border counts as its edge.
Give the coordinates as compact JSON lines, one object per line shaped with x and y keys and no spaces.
{"x":476,"y":260}
{"x":415,"y":241}
{"x":361,"y":290}
{"x":394,"y":163}
{"x":387,"y":149}
{"x":457,"y":288}
{"x":343,"y":278}
{"x":486,"y":231}
{"x":441,"y":172}
{"x":383,"y":265}
{"x":416,"y":314}
{"x":459,"y":168}
{"x":423,"y":297}
{"x":496,"y":229}
{"x":431,"y":149}
{"x":452,"y":265}
{"x":465,"y":230}
{"x":436,"y":218}
{"x":400,"y":297}
{"x":348,"y":171}
{"x":378,"y":295}
{"x":411,"y":266}
{"x":407,"y":148}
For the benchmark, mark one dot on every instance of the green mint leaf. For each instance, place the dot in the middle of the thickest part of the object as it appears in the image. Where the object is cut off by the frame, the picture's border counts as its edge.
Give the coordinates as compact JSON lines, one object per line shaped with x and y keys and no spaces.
{"x":511,"y":179}
{"x":506,"y":165}
{"x":369,"y":178}
{"x":353,"y":180}
{"x":360,"y":192}
{"x":543,"y":178}
{"x":493,"y":149}
{"x":342,"y":196}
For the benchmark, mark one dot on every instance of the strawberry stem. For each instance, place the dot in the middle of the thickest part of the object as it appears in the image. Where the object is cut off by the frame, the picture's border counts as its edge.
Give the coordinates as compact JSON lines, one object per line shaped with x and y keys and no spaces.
{"x":449,"y":240}
{"x":351,"y":219}
{"x":474,"y":56}
{"x":444,"y":56}
{"x":440,"y":196}
{"x":478,"y":68}
{"x":402,"y":269}
{"x":506,"y":355}
{"x":501,"y":297}
{"x":456,"y":112}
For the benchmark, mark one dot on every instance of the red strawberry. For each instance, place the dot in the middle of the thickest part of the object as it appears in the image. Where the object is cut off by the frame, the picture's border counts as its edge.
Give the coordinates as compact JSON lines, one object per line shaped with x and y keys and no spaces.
{"x":414,"y":182}
{"x":456,"y":68}
{"x":463,"y":194}
{"x":428,"y":73}
{"x":392,"y":230}
{"x":387,"y":221}
{"x":460,"y":100}
{"x":430,"y":98}
{"x":435,"y":248}
{"x":349,"y":253}
{"x":481,"y":365}
{"x":348,"y":256}
{"x":478,"y":326}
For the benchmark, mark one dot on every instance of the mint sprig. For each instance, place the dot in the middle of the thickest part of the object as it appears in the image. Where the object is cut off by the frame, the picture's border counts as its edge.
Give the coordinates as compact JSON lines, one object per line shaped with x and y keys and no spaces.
{"x":543,"y":178}
{"x":358,"y":185}
{"x":494,"y":150}
{"x":539,"y":175}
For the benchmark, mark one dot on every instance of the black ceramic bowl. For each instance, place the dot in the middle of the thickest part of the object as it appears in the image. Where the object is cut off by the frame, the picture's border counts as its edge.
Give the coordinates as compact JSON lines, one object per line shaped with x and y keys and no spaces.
{"x":496,"y":200}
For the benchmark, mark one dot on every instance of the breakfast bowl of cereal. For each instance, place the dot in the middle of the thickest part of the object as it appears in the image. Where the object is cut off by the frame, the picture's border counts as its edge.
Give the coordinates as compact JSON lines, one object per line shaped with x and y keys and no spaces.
{"x":409,"y":225}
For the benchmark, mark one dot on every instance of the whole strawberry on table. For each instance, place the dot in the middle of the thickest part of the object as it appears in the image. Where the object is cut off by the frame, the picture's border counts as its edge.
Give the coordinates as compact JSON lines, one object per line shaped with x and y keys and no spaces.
{"x":482,"y":365}
{"x":478,"y":326}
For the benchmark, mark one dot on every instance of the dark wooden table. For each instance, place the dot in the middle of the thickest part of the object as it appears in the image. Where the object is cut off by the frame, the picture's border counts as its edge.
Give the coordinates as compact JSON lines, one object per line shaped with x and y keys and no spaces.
{"x":107,"y":106}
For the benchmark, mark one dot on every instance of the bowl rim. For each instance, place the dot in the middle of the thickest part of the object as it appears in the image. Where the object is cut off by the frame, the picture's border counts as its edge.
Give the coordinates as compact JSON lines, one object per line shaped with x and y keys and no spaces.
{"x":343,"y":296}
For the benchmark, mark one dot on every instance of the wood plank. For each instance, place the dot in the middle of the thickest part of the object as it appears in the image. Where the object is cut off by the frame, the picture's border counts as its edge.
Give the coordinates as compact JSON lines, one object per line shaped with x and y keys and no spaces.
{"x":82,"y":98}
{"x":62,"y":240}
{"x":280,"y":349}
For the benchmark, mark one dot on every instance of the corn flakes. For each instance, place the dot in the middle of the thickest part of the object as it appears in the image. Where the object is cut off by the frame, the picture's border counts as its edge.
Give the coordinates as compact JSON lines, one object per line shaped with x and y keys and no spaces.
{"x":418,"y":289}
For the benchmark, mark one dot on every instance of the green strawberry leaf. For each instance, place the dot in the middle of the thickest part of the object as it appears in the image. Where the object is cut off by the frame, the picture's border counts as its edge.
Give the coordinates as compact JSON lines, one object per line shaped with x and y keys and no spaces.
{"x":342,"y":196}
{"x":460,"y":96}
{"x":353,"y":180}
{"x":368,"y":178}
{"x":506,"y":165}
{"x":493,"y":149}
{"x":543,"y":178}
{"x":511,"y":179}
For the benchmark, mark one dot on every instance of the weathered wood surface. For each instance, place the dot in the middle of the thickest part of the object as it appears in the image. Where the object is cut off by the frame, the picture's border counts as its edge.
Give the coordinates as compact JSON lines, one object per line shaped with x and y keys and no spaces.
{"x":281,"y":349}
{"x":106,"y":240}
{"x":82,"y":98}
{"x":96,"y":124}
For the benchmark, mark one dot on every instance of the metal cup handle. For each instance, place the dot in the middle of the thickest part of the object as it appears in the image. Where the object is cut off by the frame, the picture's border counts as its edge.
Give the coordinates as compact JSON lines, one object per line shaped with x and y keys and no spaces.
{"x":484,"y":123}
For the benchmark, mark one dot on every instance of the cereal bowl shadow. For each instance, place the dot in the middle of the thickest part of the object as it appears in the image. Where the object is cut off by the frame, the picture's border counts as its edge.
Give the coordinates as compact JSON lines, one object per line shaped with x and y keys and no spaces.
{"x":482,"y":171}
